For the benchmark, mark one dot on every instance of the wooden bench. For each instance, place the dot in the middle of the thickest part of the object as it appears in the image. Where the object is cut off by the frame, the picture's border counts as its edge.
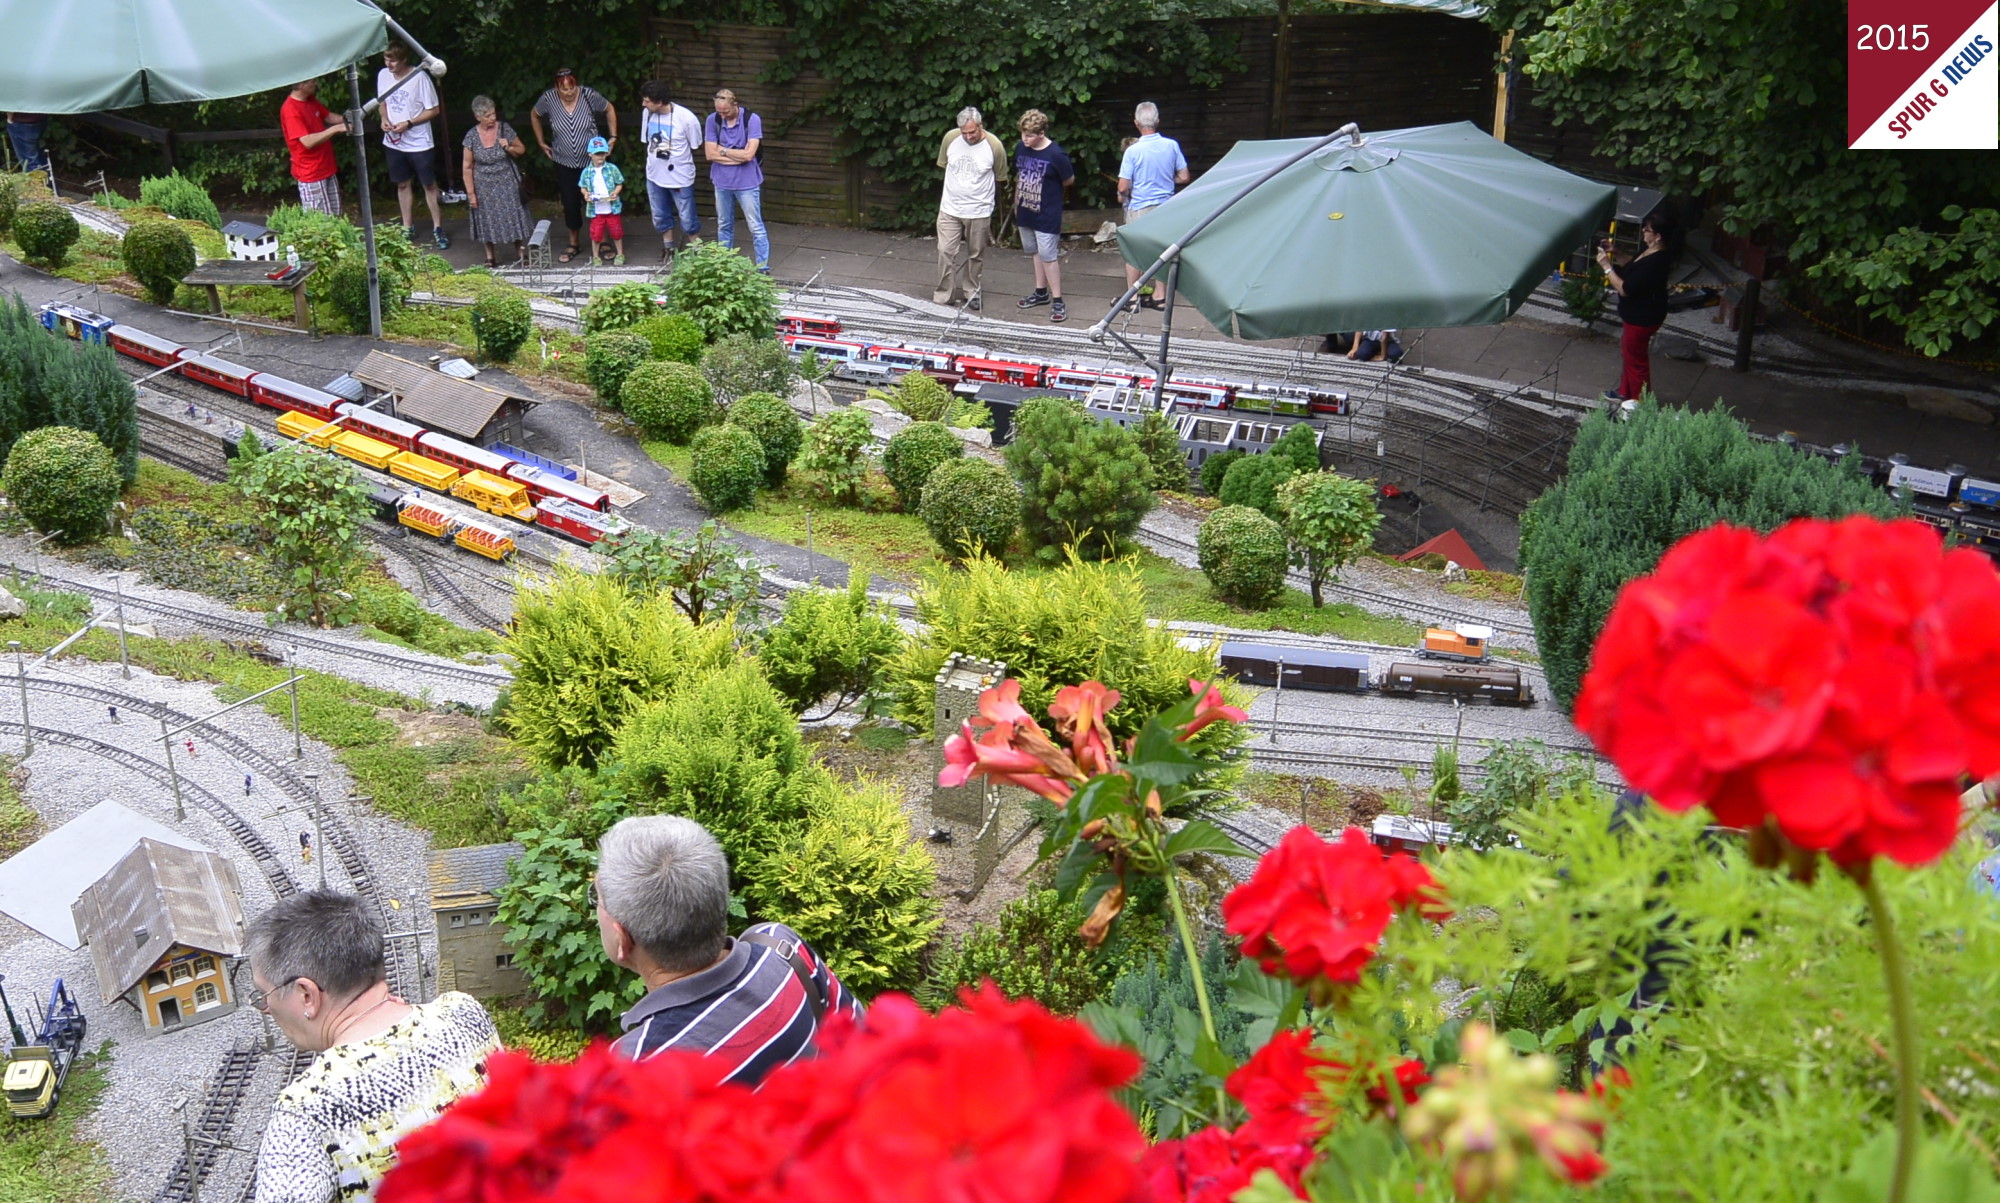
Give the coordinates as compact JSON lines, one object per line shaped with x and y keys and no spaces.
{"x":237,"y":273}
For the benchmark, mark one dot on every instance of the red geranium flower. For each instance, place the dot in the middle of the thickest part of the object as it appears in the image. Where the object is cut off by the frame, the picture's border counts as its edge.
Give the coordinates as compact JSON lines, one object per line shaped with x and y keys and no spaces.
{"x":1282,"y":1087}
{"x":1213,"y":1164}
{"x":1831,"y":681}
{"x":1410,"y":1077}
{"x":1315,"y":911}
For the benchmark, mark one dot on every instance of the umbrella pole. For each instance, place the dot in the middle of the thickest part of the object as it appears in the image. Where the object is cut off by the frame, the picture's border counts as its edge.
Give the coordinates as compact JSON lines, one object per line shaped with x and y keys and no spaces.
{"x":1166,"y":335}
{"x":367,"y":205}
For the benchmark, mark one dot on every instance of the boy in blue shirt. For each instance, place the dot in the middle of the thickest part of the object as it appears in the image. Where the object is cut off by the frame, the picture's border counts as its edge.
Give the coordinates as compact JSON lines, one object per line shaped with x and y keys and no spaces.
{"x":601,"y":183}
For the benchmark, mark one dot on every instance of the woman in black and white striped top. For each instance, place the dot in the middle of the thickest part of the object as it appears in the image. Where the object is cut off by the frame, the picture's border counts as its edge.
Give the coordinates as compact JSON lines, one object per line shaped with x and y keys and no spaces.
{"x":566,"y":116}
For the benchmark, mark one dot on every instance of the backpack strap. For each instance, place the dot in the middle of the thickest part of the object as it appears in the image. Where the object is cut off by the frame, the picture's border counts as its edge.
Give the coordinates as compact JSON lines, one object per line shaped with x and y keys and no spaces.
{"x":788,"y":951}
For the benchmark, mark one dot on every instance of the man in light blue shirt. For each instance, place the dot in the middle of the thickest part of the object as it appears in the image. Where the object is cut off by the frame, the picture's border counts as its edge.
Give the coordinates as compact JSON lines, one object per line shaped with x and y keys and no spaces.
{"x":1147,"y":176}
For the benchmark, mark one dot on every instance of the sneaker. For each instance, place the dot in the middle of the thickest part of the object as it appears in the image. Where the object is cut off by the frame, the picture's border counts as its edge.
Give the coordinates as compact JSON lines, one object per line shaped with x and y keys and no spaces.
{"x":619,"y":261}
{"x":1060,"y":313}
{"x":442,"y":239}
{"x":765,"y":270}
{"x":1038,"y":297}
{"x":1611,"y":396}
{"x":972,"y":305}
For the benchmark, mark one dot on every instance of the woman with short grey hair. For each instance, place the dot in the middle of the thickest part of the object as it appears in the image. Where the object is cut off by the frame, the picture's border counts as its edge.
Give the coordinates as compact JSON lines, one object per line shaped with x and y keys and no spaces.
{"x":493,"y":181}
{"x":385,"y":1067}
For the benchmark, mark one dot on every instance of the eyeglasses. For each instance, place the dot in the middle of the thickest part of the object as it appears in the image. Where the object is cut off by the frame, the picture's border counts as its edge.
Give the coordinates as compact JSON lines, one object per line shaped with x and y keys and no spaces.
{"x":261,"y":999}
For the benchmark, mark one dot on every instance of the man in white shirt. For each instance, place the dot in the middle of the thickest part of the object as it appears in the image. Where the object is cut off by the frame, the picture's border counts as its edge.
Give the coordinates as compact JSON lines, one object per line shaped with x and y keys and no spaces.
{"x":974,"y":163}
{"x":671,"y":133}
{"x":406,"y":136}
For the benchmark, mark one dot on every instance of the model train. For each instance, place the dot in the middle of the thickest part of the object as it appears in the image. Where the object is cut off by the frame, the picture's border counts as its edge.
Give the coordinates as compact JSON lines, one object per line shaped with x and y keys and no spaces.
{"x":869,"y":360}
{"x":507,"y":485}
{"x":1332,"y":671}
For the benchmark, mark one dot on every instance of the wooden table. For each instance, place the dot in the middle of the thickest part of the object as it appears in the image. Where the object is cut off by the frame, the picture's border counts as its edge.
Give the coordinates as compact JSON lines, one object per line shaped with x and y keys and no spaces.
{"x":237,"y":273}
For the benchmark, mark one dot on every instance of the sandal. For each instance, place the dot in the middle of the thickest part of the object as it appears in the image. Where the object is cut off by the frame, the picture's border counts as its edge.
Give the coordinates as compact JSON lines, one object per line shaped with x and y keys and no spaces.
{"x":569,"y":254}
{"x":491,"y":262}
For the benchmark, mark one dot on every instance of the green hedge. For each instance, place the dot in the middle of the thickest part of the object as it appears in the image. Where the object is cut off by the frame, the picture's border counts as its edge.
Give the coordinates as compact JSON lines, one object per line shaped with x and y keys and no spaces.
{"x":669,"y":401}
{"x":63,"y":482}
{"x":777,"y":428}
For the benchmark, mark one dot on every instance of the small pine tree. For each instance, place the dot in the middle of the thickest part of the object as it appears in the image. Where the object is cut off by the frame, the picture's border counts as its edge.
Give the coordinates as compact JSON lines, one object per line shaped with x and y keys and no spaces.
{"x":1084,"y":483}
{"x":1162,"y":445}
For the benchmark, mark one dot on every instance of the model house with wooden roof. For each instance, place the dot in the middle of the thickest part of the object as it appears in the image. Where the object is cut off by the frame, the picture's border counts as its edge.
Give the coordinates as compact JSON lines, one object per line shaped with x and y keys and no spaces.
{"x":163,"y":925}
{"x":473,"y":953}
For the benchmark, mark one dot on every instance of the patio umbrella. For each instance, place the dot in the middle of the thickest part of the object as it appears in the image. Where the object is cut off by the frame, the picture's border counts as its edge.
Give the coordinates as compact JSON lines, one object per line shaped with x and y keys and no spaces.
{"x":84,"y":56}
{"x":1439,"y":225}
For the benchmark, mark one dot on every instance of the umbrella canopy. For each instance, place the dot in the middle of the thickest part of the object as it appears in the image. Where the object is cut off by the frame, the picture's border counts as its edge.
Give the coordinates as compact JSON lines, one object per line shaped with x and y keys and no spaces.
{"x":1416,"y":228}
{"x":84,"y":56}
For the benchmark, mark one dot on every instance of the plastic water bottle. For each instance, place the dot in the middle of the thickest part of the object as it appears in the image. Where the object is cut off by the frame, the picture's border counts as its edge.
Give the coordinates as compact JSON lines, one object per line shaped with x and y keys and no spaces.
{"x":291,"y":257}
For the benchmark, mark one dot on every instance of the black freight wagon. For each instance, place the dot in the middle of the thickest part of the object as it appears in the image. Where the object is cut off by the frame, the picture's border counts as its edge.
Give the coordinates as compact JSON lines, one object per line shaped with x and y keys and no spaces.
{"x":1304,"y":667}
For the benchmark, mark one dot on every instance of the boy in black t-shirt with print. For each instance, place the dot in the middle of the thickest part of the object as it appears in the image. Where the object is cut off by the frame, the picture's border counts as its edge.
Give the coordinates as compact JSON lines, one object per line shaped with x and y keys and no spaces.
{"x":1041,"y":171}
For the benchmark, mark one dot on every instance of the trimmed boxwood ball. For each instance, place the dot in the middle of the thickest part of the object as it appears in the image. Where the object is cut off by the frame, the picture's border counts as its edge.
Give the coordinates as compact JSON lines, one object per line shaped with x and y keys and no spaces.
{"x":670,"y":401}
{"x":1243,"y":554}
{"x":970,"y":505}
{"x":728,"y":463}
{"x":45,"y":231}
{"x":674,"y":336}
{"x":158,"y":254}
{"x":1254,"y":481}
{"x":777,"y":428}
{"x":608,"y":357}
{"x":1214,"y":468}
{"x":63,"y":481}
{"x":502,"y":321}
{"x":911,"y":456}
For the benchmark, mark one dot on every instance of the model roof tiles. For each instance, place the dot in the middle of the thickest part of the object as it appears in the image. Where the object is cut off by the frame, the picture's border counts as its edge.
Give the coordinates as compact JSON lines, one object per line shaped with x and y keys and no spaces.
{"x":457,"y":407}
{"x":468,"y":876}
{"x":155,"y":897}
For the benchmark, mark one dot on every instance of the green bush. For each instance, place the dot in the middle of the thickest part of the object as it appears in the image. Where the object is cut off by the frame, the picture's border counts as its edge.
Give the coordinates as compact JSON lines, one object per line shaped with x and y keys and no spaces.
{"x":1299,"y":446}
{"x":46,"y":380}
{"x":587,"y":654}
{"x":913,"y":454}
{"x":346,"y":286}
{"x":919,"y":397}
{"x":10,"y":201}
{"x":669,"y":401}
{"x":1328,"y":519}
{"x":502,"y":321}
{"x":741,"y":364}
{"x":971,"y":507}
{"x":158,"y":254}
{"x":705,"y":575}
{"x":829,"y":643}
{"x":321,"y":237}
{"x":777,"y":428}
{"x":728,"y":464}
{"x":673,"y":336}
{"x":620,"y":306}
{"x":1243,"y":555}
{"x":608,"y":358}
{"x":1162,"y":446}
{"x":63,"y":482}
{"x":1084,"y":483}
{"x":1034,"y":952}
{"x":1254,"y":480}
{"x":1214,"y":468}
{"x":723,"y":292}
{"x":45,"y":231}
{"x":555,"y":1045}
{"x":850,"y":880}
{"x":837,"y":449}
{"x":1635,"y":487}
{"x":181,"y":197}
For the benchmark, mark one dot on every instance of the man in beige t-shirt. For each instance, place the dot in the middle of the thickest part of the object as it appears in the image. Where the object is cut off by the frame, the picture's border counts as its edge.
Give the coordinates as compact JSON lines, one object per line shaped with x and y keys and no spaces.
{"x":974,"y":163}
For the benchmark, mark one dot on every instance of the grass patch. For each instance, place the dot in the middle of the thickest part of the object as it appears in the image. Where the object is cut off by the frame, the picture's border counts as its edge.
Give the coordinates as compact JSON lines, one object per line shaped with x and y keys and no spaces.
{"x":882,"y":739}
{"x":1481,"y":585}
{"x":510,"y":1019}
{"x":1176,"y":593}
{"x":453,"y":788}
{"x":48,"y":1160}
{"x":164,"y":484}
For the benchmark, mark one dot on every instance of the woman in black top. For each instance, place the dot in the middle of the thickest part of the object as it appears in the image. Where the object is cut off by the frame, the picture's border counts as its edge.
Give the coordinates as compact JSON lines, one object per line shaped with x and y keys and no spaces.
{"x":565,"y":120}
{"x":1641,"y":283}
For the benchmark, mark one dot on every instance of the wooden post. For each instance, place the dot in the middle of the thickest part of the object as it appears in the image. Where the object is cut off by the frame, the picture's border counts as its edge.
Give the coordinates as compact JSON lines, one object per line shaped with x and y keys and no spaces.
{"x":1500,"y":88}
{"x":167,"y":144}
{"x":1281,"y":71}
{"x":1746,"y":324}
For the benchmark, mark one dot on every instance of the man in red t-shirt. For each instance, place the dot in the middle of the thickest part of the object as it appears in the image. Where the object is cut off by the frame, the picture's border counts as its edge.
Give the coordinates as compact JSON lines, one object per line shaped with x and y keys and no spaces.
{"x":310,"y":128}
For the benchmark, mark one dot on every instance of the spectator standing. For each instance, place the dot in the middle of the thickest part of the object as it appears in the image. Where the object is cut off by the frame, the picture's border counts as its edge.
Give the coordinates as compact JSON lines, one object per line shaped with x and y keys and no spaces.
{"x":407,"y":142}
{"x":601,"y":184}
{"x":571,"y":111}
{"x":671,"y":131}
{"x":732,"y":142}
{"x":1153,"y":166}
{"x":493,"y":180}
{"x":26,"y":132}
{"x":662,"y":899}
{"x":974,"y":163}
{"x":1641,"y":284}
{"x":1042,"y":171}
{"x":310,"y":128}
{"x":385,"y":1068}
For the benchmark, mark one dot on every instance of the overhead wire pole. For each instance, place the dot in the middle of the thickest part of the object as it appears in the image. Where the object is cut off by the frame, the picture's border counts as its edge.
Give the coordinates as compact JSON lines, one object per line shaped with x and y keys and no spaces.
{"x":1169,"y":261}
{"x":167,"y":735}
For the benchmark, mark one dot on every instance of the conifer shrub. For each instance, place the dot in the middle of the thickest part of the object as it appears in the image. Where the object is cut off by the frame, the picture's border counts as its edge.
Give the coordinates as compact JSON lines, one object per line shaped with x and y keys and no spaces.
{"x":608,"y":357}
{"x":728,"y":464}
{"x":181,"y":197}
{"x":63,"y":481}
{"x":829,"y":644}
{"x":1636,"y":486}
{"x":1214,"y":468}
{"x":913,"y":454}
{"x":1162,"y":445}
{"x":1243,"y":555}
{"x":158,"y":254}
{"x":45,"y":231}
{"x":673,"y":336}
{"x":1034,"y":952}
{"x":1085,"y":484}
{"x":668,"y":401}
{"x":502,"y":321}
{"x":920,"y":397}
{"x":1298,"y":446}
{"x":777,"y":428}
{"x":970,"y":507}
{"x":1254,"y":480}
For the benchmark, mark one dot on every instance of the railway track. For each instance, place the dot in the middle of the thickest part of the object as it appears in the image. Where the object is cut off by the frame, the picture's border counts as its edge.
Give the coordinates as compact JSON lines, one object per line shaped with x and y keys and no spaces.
{"x":212,"y":1125}
{"x":439,"y":578}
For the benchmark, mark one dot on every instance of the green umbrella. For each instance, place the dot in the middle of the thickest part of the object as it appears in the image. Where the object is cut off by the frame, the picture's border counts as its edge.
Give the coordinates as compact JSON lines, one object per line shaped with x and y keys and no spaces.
{"x":1414,"y":228}
{"x":84,"y":56}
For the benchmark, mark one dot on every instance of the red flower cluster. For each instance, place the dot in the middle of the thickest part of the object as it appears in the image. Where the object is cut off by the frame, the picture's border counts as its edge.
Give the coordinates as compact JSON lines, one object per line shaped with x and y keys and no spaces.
{"x":1833,"y":680}
{"x":1214,"y":1163}
{"x":997,"y":1102}
{"x":1315,"y":911}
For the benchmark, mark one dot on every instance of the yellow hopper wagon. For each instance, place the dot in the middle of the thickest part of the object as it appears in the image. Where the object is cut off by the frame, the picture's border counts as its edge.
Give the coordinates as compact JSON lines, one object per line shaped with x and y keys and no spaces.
{"x":495,"y":495}
{"x":360,"y":448}
{"x":427,"y":518}
{"x":317,"y":431}
{"x":424,"y":471}
{"x":487,"y":542}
